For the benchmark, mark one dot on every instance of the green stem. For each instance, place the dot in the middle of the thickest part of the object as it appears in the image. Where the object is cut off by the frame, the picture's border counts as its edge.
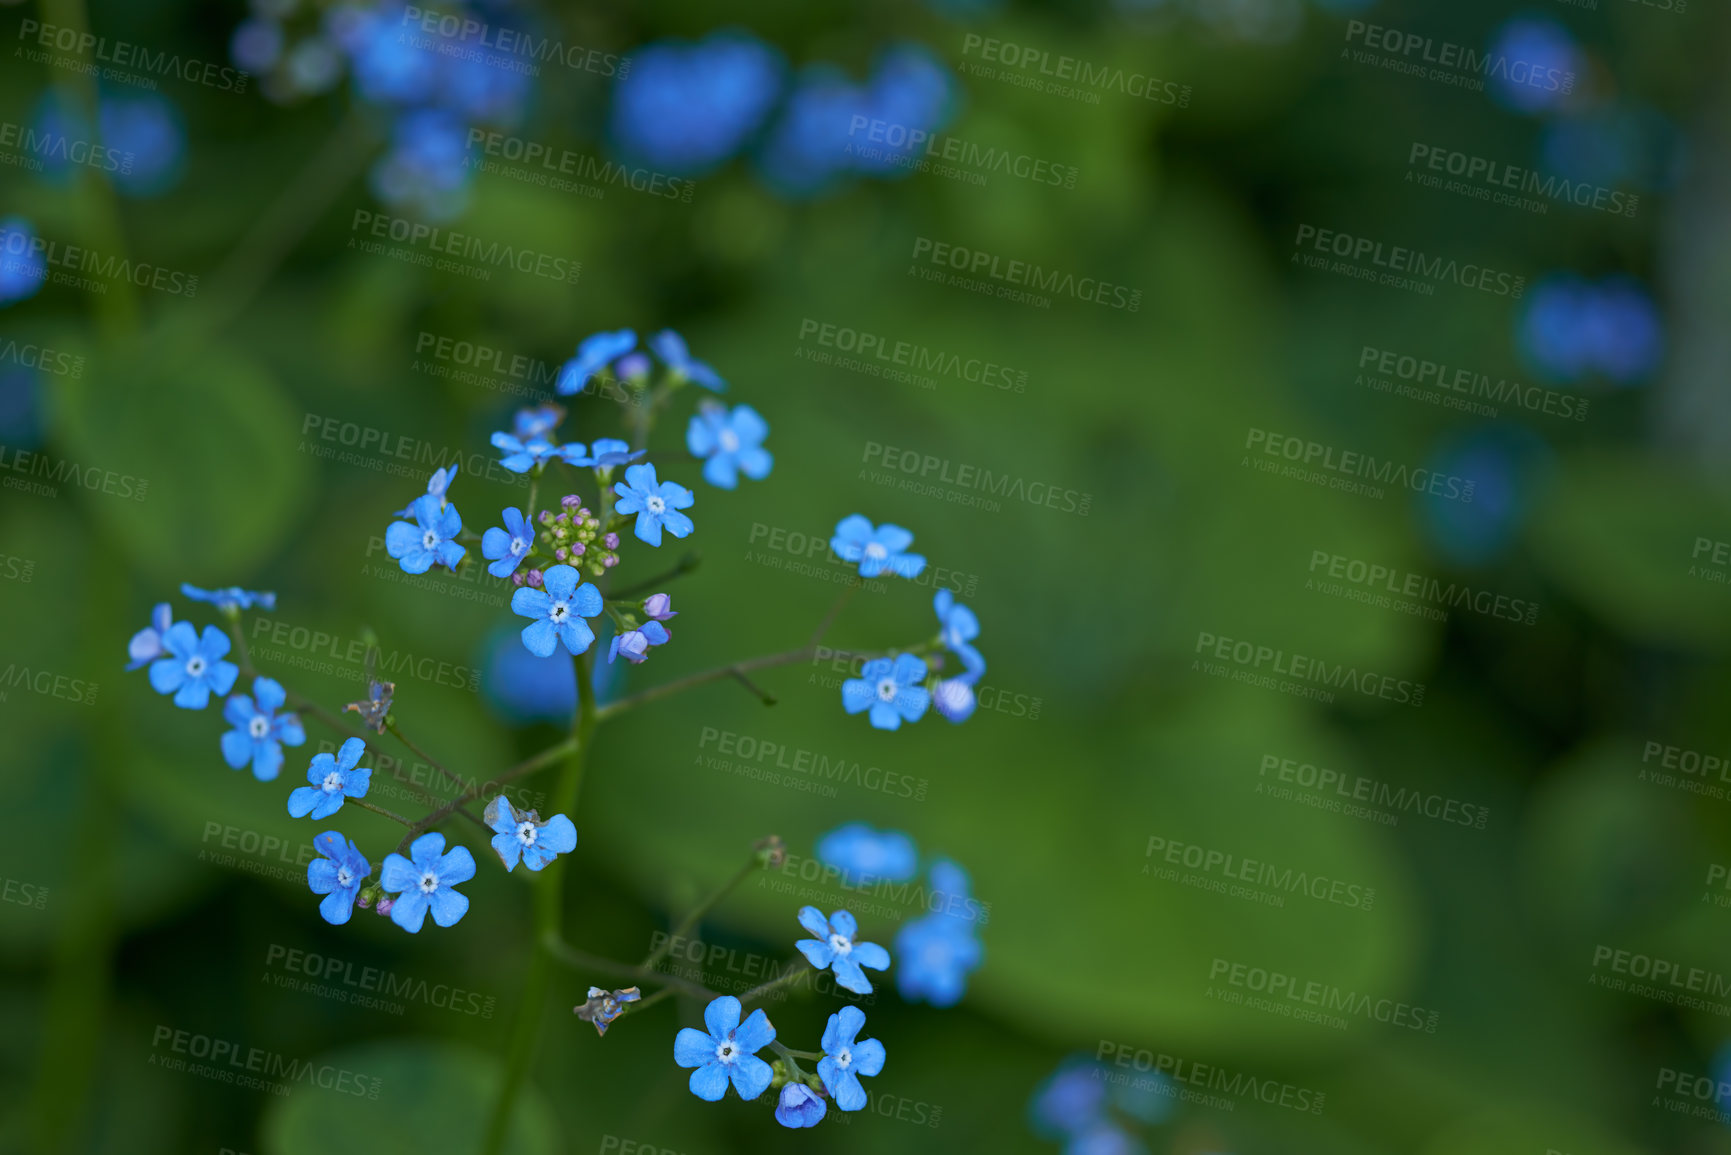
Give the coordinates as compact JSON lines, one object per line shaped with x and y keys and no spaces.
{"x":549,"y":894}
{"x":391,"y":725}
{"x":391,"y":814}
{"x":686,"y":565}
{"x":703,"y":908}
{"x":793,"y":975}
{"x":597,"y":964}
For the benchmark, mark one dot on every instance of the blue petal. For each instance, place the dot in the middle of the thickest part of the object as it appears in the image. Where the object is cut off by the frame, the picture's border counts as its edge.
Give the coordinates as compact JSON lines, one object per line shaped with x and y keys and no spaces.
{"x":267,"y":761}
{"x":350,"y":753}
{"x":751,"y":1076}
{"x":167,"y":675}
{"x":813,"y":920}
{"x":529,"y":602}
{"x":648,"y":528}
{"x":856,"y":695}
{"x":456,"y":867}
{"x":868,"y":1056}
{"x":559,"y":581}
{"x":338,"y":905}
{"x":237,"y":748}
{"x":194,"y":695}
{"x":818,"y":954}
{"x":559,"y":835}
{"x":693,"y":1048}
{"x":848,"y":974}
{"x":302,"y":799}
{"x":540,"y":638}
{"x":844,"y":923}
{"x":870,"y":954}
{"x":576,"y":635}
{"x":721,"y":1016}
{"x":755,"y":1033}
{"x":398,"y":874}
{"x":269,"y":693}
{"x":449,"y":906}
{"x":884,"y":716}
{"x":409,"y":911}
{"x":709,"y":1082}
{"x":588,"y":601}
{"x":509,"y":848}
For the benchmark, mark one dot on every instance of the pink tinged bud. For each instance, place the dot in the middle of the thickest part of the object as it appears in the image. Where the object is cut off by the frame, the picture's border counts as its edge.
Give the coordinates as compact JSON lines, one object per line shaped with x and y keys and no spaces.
{"x":611,"y":541}
{"x":570,"y":501}
{"x":385,"y":904}
{"x":561,"y":553}
{"x":578,"y":549}
{"x":535,"y":578}
{"x":610,"y":560}
{"x":545,"y":517}
{"x":657,"y":606}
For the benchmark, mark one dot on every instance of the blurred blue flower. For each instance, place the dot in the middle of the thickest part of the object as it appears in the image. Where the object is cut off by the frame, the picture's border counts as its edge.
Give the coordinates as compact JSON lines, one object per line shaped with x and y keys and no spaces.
{"x":438,"y":486}
{"x":593,"y":354}
{"x":846,"y":1059}
{"x":558,"y":610}
{"x":939,"y":950}
{"x":1532,"y":64}
{"x":147,"y":644}
{"x":808,"y":149}
{"x":522,"y":456}
{"x":387,"y":67}
{"x":957,"y":628}
{"x":537,"y":421}
{"x":337,"y":876}
{"x":256,"y":44}
{"x":799,"y":1106}
{"x":332,"y":780}
{"x":1570,"y":328}
{"x":523,"y":687}
{"x":833,"y":946}
{"x":425,"y":171}
{"x":864,"y":855}
{"x":522,"y":835}
{"x":1072,"y":1099}
{"x":686,"y":108}
{"x":1506,"y":466}
{"x":876,"y":549}
{"x":149,"y":127}
{"x":726,"y":1051}
{"x":426,"y":880}
{"x":506,"y":548}
{"x":890,"y":690}
{"x":194,"y":667}
{"x":610,"y":451}
{"x":259,"y":732}
{"x":731,"y":442}
{"x":231,"y":598}
{"x":23,"y":268}
{"x":671,"y":348}
{"x":656,"y":504}
{"x":430,"y":540}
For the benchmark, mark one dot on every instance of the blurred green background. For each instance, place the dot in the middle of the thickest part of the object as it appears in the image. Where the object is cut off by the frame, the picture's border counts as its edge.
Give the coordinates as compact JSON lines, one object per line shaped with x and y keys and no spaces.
{"x":1108,"y":735}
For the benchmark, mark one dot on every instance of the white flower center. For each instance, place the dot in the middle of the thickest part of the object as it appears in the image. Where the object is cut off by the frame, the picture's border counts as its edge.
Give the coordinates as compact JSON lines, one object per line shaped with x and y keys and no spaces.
{"x":729,"y":441}
{"x":259,"y":726}
{"x":876,"y":551}
{"x":843,"y":1058}
{"x":654,"y":504}
{"x":430,"y":540}
{"x":727,"y":1052}
{"x":344,"y":878}
{"x":195,"y":667}
{"x":558,"y":612}
{"x":526,"y":833}
{"x":840,"y":943}
{"x":887,"y":690}
{"x":518,"y":545}
{"x":429,"y":882}
{"x":333,"y":782}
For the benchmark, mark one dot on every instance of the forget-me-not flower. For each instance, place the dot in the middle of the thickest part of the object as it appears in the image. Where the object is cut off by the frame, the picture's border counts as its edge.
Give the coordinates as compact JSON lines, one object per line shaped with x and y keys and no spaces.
{"x":610,"y":451}
{"x":230,"y":598}
{"x":522,"y":456}
{"x":656,"y":504}
{"x":506,"y":548}
{"x":833,"y":946}
{"x":522,"y":835}
{"x":194,"y":667}
{"x":634,"y":644}
{"x":671,"y":348}
{"x":593,"y":354}
{"x":939,"y":950}
{"x":876,"y":549}
{"x":800,"y":1106}
{"x":727,"y":1052}
{"x":438,"y":485}
{"x":732,"y":443}
{"x":845,"y":1060}
{"x":863,"y":854}
{"x":890,"y":689}
{"x":259,"y":732}
{"x":558,"y":608}
{"x":333,"y":780}
{"x":957,"y":628}
{"x":426,"y":880}
{"x":432,"y":539}
{"x":337,"y":876}
{"x":147,"y":644}
{"x":537,"y":421}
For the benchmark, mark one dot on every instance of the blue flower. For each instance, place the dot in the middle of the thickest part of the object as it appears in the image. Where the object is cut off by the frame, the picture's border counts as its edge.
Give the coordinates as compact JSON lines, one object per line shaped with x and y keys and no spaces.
{"x":891,"y":690}
{"x":1549,"y":53}
{"x":149,"y":127}
{"x":670,"y":347}
{"x":610,"y":451}
{"x":260,"y":733}
{"x":425,"y":881}
{"x":558,"y":608}
{"x":957,"y":628}
{"x":522,"y":835}
{"x":523,"y":687}
{"x":230,"y":599}
{"x":573,"y":453}
{"x":834,"y":947}
{"x":726,"y":1052}
{"x":732,"y":442}
{"x":522,"y":456}
{"x":537,"y":421}
{"x":1071,"y":1100}
{"x":656,"y":504}
{"x":686,"y":108}
{"x":432,"y":539}
{"x":23,"y":268}
{"x":876,"y":550}
{"x":437,"y":486}
{"x":845,"y":1060}
{"x":337,"y":876}
{"x":147,"y":644}
{"x":593,"y":354}
{"x":954,"y":697}
{"x":507,"y":547}
{"x":333,"y":779}
{"x":939,"y":950}
{"x":800,"y":1106}
{"x":863,"y":854}
{"x":194,"y":668}
{"x":634,"y":644}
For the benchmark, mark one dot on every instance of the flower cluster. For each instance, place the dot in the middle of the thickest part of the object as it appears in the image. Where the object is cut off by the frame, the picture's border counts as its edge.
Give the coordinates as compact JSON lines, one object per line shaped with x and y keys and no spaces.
{"x":1081,"y":1106}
